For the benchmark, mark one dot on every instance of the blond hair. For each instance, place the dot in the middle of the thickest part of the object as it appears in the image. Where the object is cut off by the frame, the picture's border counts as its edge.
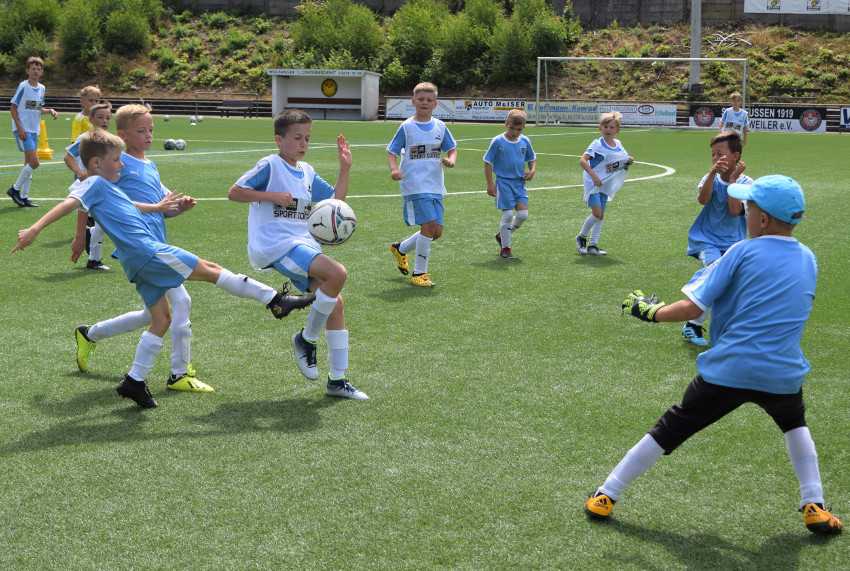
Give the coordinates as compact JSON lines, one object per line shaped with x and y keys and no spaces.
{"x":736,"y":95}
{"x":34,"y":60}
{"x":98,"y":106}
{"x":98,"y":144}
{"x":126,"y":114}
{"x":90,"y":90}
{"x":516,"y":117}
{"x":614,"y":116}
{"x":424,"y":86}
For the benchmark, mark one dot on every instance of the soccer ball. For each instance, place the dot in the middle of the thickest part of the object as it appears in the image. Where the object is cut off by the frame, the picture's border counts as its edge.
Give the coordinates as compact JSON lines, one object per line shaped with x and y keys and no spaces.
{"x":169,"y":144}
{"x":200,"y":118}
{"x":192,"y":120}
{"x":166,"y":118}
{"x":331,"y":222}
{"x":180,"y":144}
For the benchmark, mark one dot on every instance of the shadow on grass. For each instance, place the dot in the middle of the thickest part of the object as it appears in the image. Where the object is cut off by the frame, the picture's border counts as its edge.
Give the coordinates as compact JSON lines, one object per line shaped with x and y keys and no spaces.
{"x":588,"y":260}
{"x":76,"y":272}
{"x":400,"y":289}
{"x":498,"y":263}
{"x":711,"y":552}
{"x":127,"y":424}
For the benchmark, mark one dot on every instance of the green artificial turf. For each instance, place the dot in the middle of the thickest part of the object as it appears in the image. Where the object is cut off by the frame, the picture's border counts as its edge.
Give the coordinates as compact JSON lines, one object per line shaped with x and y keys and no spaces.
{"x":499,"y":399}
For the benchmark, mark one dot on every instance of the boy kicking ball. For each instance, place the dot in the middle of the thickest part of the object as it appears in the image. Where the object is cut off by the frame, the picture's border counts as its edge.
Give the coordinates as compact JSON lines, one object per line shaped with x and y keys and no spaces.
{"x":154,"y":267}
{"x":760,"y":293}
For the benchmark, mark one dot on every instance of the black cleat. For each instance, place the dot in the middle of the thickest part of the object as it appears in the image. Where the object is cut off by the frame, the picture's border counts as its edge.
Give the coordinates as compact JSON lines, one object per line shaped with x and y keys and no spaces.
{"x":96,"y":265}
{"x":28,"y":202}
{"x":15,"y":195}
{"x":137,"y":391}
{"x":282,"y":303}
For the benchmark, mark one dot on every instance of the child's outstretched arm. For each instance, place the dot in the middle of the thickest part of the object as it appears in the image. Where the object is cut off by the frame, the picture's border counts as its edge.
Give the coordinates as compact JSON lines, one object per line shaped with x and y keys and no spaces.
{"x":168,"y":204}
{"x":28,"y":236}
{"x":71,"y":163}
{"x":341,"y":186}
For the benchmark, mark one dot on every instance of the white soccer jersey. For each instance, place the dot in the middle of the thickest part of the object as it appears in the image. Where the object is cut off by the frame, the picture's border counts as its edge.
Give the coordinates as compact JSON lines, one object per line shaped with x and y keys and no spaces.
{"x":29,"y":100}
{"x":422,"y":163}
{"x":610,"y":164}
{"x":733,"y":121}
{"x":275,"y":229}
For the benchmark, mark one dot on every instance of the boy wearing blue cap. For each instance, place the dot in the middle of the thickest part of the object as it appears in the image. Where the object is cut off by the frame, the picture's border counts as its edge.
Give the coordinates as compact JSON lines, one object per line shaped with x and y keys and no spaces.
{"x":756,"y":355}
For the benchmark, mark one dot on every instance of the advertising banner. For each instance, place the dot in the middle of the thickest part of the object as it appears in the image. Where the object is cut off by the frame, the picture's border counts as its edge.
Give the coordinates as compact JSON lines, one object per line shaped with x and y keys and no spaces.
{"x":845,"y":118}
{"x":644,"y":113}
{"x":766,"y":118}
{"x":797,"y":6}
{"x":564,"y":112}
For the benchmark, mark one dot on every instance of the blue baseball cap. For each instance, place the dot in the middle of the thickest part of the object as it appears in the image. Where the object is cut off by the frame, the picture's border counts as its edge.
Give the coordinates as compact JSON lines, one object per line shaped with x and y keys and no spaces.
{"x":778,"y":195}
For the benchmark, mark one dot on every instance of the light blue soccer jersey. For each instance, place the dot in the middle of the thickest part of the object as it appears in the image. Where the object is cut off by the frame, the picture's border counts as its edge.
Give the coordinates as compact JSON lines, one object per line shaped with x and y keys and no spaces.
{"x":714,"y":226}
{"x":509,"y":157}
{"x":120,"y":219}
{"x":760,"y":294}
{"x":74,"y":150}
{"x":29,"y":100}
{"x":141,"y":183}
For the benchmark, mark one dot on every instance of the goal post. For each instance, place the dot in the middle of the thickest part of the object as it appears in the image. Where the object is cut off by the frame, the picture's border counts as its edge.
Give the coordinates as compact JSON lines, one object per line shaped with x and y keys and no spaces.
{"x":549,"y":100}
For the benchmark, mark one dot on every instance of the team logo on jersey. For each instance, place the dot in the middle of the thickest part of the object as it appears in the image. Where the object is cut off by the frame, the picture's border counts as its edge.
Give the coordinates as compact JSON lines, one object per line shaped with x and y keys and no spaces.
{"x":704,"y":116}
{"x":423,"y":152}
{"x":616,"y":166}
{"x":329,"y":87}
{"x":292,"y":210}
{"x":810,"y":119}
{"x":31,"y":104}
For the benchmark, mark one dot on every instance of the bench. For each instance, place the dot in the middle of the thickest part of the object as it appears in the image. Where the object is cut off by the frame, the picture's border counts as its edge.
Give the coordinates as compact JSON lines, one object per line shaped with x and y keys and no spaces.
{"x":244,"y":106}
{"x":788,"y":94}
{"x":325,"y":104}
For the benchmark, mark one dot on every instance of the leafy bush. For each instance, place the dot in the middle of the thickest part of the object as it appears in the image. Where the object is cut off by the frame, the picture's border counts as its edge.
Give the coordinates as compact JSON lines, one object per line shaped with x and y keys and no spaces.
{"x":126,"y":34}
{"x":664,"y":51}
{"x":216,"y":20}
{"x":828,"y":80}
{"x":325,"y":27}
{"x":80,"y":41}
{"x":191,"y":47}
{"x":33,"y":43}
{"x":411,"y":38}
{"x":235,"y":40}
{"x":42,"y":15}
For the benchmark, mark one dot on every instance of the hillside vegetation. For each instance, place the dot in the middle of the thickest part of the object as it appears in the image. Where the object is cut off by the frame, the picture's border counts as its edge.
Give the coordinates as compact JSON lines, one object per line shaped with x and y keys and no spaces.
{"x":480,"y":48}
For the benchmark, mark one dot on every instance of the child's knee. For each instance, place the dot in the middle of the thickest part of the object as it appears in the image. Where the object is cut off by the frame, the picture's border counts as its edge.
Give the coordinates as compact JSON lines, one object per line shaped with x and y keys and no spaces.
{"x":438,"y":231}
{"x":521,"y":215}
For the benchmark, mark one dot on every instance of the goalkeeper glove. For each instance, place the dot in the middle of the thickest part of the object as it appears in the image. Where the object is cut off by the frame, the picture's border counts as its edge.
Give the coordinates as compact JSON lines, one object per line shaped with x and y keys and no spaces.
{"x":641,"y":306}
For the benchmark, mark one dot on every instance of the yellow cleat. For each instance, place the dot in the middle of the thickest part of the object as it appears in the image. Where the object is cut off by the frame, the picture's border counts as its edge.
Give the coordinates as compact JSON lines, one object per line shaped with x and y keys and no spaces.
{"x":188,"y":382}
{"x":422,"y":280}
{"x":599,"y":506}
{"x":400,"y":259}
{"x":819,"y":520}
{"x":85,"y":348}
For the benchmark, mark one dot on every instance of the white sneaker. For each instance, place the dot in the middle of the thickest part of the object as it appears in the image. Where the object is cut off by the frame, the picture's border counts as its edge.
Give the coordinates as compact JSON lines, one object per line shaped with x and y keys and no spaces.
{"x":341,"y":388}
{"x":305,"y":356}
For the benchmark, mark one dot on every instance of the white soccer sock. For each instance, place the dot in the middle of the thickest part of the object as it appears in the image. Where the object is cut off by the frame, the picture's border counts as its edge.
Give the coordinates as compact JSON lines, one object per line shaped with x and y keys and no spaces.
{"x":24,"y":181}
{"x":520,"y":217}
{"x":595,"y":232}
{"x":337,"y":340}
{"x":243,"y":286}
{"x":320,"y":310}
{"x":96,"y":243}
{"x":408,"y":244}
{"x":505,"y":228}
{"x":804,"y":460}
{"x":588,"y":224}
{"x":121,"y":324}
{"x":638,"y":460}
{"x":146,"y":352}
{"x":701,"y":319}
{"x":181,"y":330}
{"x":423,"y":253}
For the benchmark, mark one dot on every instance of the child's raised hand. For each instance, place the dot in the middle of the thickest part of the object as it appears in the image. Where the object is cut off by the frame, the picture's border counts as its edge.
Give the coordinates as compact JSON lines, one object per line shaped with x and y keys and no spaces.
{"x":344,"y":151}
{"x":740,"y":168}
{"x":187,"y":203}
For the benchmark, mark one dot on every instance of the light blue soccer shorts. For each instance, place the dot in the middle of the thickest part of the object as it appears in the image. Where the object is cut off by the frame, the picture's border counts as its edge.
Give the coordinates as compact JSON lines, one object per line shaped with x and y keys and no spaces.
{"x":169,"y":268}
{"x":417,"y":211}
{"x":709,"y":255}
{"x":598,"y":199}
{"x":28,"y":144}
{"x":510,"y":192}
{"x":295,"y":265}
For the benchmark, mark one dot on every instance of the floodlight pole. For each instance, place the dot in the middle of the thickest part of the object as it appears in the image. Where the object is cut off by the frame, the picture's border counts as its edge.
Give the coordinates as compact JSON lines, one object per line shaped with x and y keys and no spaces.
{"x":696,"y":41}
